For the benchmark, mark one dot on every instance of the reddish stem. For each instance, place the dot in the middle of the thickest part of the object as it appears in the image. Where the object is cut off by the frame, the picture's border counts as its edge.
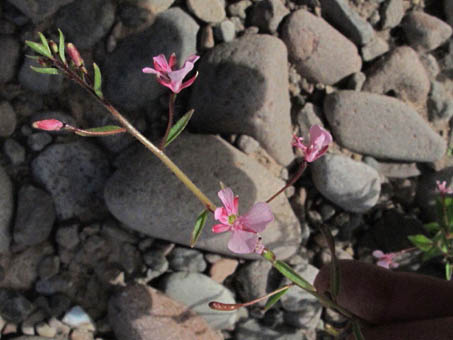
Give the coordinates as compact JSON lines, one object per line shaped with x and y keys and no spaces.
{"x":171,"y":113}
{"x":299,"y":173}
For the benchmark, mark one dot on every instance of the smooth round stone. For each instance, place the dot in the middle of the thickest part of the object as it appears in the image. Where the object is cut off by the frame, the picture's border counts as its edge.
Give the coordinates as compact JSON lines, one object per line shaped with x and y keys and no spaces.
{"x":38,"y":10}
{"x":352,"y":185}
{"x":197,"y":290}
{"x":74,"y":174}
{"x":9,"y":58}
{"x":6,"y":210}
{"x":85,"y":22}
{"x":173,"y":31}
{"x":140,"y":312}
{"x":320,"y":53}
{"x":8,"y":119}
{"x":381,"y":126}
{"x":211,"y":11}
{"x":145,"y":196}
{"x":401,"y":72}
{"x":37,"y":82}
{"x":259,"y":107}
{"x":187,"y":260}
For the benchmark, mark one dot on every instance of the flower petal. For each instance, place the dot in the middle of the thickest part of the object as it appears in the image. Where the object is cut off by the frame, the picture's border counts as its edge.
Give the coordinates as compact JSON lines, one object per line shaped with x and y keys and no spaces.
{"x":258,"y":217}
{"x":150,"y":70}
{"x":227,"y":197}
{"x":48,"y":125}
{"x":242,"y":242}
{"x":378,"y":253}
{"x":160,"y":64}
{"x":383,"y":264}
{"x":220,"y":228}
{"x":220,"y":214}
{"x":172,"y":60}
{"x":189,"y":82}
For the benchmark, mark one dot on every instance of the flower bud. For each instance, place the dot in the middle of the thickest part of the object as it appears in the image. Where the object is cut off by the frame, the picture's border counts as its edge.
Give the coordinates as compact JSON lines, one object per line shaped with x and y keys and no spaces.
{"x":48,"y":125}
{"x":53,"y":46}
{"x":74,"y":54}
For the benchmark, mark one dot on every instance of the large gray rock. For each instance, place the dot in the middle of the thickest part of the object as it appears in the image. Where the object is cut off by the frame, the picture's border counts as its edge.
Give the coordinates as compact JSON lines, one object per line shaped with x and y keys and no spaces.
{"x":38,"y":10}
{"x":126,"y":85}
{"x":401,"y":72}
{"x":140,"y":312}
{"x":243,"y":88}
{"x":352,"y":185}
{"x":6,"y":210}
{"x":85,"y":22}
{"x":348,"y":21}
{"x":381,"y":126}
{"x":319,"y":51}
{"x":392,"y":13}
{"x":197,"y":290}
{"x":9,"y":58}
{"x":209,"y":11}
{"x":425,"y":32}
{"x":145,"y":196}
{"x":74,"y":174}
{"x":34,"y":217}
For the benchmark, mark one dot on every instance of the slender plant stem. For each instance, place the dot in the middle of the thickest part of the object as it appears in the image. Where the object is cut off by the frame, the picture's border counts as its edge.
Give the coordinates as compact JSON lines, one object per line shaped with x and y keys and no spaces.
{"x":293,"y":180}
{"x":171,"y":114}
{"x":141,"y":138}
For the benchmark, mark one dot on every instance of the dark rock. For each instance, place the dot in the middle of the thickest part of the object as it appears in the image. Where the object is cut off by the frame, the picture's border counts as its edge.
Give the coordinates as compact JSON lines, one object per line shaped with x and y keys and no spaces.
{"x":9,"y":58}
{"x":8,"y":120}
{"x":34,"y":217}
{"x":38,"y":10}
{"x":268,"y":14}
{"x":6,"y":210}
{"x":38,"y":82}
{"x":187,"y":260}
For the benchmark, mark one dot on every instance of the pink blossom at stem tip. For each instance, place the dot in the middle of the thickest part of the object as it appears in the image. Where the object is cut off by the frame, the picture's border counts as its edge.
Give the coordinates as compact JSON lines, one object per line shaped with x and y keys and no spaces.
{"x":168,"y":76}
{"x":385,"y":260}
{"x":442,"y":188}
{"x":320,"y":139}
{"x":48,"y":125}
{"x":244,"y":229}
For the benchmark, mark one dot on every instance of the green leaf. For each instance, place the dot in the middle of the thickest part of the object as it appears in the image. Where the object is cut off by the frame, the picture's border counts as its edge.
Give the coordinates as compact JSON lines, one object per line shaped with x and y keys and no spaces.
{"x":61,"y":49}
{"x":432,"y":227}
{"x":199,"y":225}
{"x":334,"y":266}
{"x":274,"y":299}
{"x":431,"y":253}
{"x":448,"y":271}
{"x":45,"y":70}
{"x":178,"y":127}
{"x":45,"y":43}
{"x":288,"y":272}
{"x":358,"y":335}
{"x":38,"y":48}
{"x":97,"y":81}
{"x":421,"y":242}
{"x":107,"y":130}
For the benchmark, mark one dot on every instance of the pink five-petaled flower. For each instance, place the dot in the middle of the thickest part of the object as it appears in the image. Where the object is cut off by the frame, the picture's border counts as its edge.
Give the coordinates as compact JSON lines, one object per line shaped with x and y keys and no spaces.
{"x":442,"y":188}
{"x":168,"y":76}
{"x":385,"y":260}
{"x":245,"y":228}
{"x":48,"y":125}
{"x":320,"y":139}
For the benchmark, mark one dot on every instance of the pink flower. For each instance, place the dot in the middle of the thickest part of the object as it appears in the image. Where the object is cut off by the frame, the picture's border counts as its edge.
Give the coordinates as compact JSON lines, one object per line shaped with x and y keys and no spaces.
{"x":442,"y":188}
{"x":319,"y":143}
{"x":48,"y":125}
{"x":385,"y":260}
{"x":168,"y":76}
{"x":244,"y":229}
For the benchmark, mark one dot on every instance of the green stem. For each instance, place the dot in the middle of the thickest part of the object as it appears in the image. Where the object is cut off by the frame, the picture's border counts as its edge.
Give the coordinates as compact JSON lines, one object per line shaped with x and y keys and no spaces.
{"x":171,"y":113}
{"x":142,"y":139}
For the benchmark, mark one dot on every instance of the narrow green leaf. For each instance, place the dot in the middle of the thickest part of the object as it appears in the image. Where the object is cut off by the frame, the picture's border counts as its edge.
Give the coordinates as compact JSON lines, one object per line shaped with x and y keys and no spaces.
{"x":45,"y":43}
{"x":61,"y":49}
{"x":421,"y":242}
{"x":199,"y":225}
{"x":97,"y":81}
{"x":274,"y":299}
{"x":432,"y":227}
{"x":107,"y":130}
{"x":448,"y":271}
{"x":334,"y":267}
{"x":178,"y":127}
{"x":45,"y":70}
{"x":358,"y":335}
{"x":431,"y":253}
{"x":38,"y":48}
{"x":288,"y":272}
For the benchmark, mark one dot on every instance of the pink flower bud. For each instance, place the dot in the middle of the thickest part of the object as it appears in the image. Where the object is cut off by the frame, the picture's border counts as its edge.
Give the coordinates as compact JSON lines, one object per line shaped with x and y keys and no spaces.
{"x":74,"y":54}
{"x":48,"y":125}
